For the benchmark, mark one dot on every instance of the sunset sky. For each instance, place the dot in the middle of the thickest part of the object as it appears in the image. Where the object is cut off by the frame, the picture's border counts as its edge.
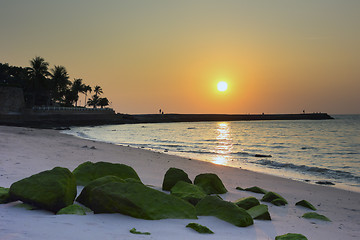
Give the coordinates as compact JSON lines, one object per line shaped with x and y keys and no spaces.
{"x":276,"y":56}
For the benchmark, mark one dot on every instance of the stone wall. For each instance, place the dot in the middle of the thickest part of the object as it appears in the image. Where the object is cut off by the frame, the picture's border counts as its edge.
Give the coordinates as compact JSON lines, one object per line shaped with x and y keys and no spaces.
{"x":11,"y":99}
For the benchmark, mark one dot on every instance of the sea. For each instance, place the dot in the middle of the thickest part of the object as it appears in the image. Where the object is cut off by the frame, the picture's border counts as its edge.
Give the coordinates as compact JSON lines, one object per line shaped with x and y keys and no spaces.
{"x":314,"y":151}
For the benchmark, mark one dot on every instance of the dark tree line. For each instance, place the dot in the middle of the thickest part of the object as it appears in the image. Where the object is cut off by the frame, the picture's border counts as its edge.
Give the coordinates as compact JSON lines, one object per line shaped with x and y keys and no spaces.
{"x":49,"y":87}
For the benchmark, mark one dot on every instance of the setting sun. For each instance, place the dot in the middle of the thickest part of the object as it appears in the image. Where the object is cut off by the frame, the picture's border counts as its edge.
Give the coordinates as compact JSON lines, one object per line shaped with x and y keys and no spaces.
{"x":222,"y":86}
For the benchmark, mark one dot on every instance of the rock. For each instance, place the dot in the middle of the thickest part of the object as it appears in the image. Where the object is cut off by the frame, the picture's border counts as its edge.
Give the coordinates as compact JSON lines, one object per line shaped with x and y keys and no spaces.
{"x":172,"y":176}
{"x":139,"y":201}
{"x":210,"y":183}
{"x":259,"y":212}
{"x":325,"y":183}
{"x":314,"y":215}
{"x":256,"y":189}
{"x":72,"y":209}
{"x":263,"y":156}
{"x":291,"y":236}
{"x":227,"y":211}
{"x":247,"y":202}
{"x":240,"y":189}
{"x":199,"y":228}
{"x":83,"y":198}
{"x":134,"y":231}
{"x":88,"y":171}
{"x":51,"y":190}
{"x":274,"y":198}
{"x":188,"y":192}
{"x":4,"y":195}
{"x":306,"y":204}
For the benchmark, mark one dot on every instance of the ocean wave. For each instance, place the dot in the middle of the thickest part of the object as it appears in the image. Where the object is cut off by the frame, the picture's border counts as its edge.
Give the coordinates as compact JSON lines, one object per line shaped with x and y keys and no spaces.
{"x":334,"y":174}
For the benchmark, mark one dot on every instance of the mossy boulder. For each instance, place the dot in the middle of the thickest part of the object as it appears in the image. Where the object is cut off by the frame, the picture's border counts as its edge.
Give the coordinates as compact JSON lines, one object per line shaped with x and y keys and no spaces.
{"x":305,"y":204}
{"x":259,"y":212}
{"x":274,"y":198}
{"x":188,"y":192}
{"x":291,"y":236}
{"x":85,"y":193}
{"x":4,"y":195}
{"x":314,"y":215}
{"x":139,"y":201}
{"x":72,"y":209}
{"x":256,"y":189}
{"x":210,"y":183}
{"x":199,"y":228}
{"x":247,"y":202}
{"x":51,"y":190}
{"x":227,"y":211}
{"x":172,"y":176}
{"x":88,"y":171}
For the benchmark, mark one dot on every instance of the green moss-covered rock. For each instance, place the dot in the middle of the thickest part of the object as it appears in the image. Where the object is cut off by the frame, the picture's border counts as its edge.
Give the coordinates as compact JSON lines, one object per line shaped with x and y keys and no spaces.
{"x":256,"y":189}
{"x":259,"y":212}
{"x":134,"y":231}
{"x":188,"y":192}
{"x":4,"y":195}
{"x":274,"y":198}
{"x":172,"y":176}
{"x":227,"y":211}
{"x":51,"y":190}
{"x":314,"y":215}
{"x":83,"y":198}
{"x":247,"y":202}
{"x":279,"y":202}
{"x":305,"y":204}
{"x":72,"y":209}
{"x":137,"y":200}
{"x":291,"y":236}
{"x":88,"y":171}
{"x":210,"y":183}
{"x":199,"y":228}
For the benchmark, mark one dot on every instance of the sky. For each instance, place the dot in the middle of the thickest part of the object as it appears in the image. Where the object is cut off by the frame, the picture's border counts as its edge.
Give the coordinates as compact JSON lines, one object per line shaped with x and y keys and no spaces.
{"x":276,"y":56}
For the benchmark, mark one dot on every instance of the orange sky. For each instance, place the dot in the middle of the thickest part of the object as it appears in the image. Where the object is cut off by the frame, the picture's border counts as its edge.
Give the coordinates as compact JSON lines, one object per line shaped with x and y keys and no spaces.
{"x":277,"y":57}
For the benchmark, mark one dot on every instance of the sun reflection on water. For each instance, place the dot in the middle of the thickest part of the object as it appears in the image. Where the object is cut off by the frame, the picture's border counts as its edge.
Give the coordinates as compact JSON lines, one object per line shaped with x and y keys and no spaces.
{"x":224,"y":145}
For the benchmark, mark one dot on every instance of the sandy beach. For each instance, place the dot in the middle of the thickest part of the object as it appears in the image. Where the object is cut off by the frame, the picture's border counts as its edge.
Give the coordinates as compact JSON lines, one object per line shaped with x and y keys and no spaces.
{"x":26,"y":151}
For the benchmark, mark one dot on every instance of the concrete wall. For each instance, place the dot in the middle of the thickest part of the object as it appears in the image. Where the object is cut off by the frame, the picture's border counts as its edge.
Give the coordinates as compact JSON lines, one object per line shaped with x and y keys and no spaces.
{"x":11,"y":99}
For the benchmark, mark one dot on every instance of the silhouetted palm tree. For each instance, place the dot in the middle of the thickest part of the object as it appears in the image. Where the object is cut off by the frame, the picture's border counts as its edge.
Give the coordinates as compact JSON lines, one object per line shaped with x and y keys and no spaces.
{"x":77,"y":87}
{"x":86,"y":90}
{"x":94,"y":101}
{"x":98,"y":90}
{"x":39,"y":84}
{"x":60,"y":83}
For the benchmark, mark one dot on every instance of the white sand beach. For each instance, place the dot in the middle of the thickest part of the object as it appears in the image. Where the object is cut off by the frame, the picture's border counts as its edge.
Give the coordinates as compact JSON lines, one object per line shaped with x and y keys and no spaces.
{"x":25,"y":151}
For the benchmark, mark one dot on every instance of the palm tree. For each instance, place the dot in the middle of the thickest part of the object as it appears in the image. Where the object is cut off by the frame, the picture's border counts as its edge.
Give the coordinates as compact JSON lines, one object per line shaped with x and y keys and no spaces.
{"x":60,"y":83}
{"x":38,"y":72}
{"x":98,"y":90}
{"x":94,"y":101}
{"x":103,"y":102}
{"x":87,"y":89}
{"x":77,"y":87}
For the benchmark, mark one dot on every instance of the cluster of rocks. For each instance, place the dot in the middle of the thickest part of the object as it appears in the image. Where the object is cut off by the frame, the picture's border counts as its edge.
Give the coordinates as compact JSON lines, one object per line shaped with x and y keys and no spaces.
{"x":117,"y":188}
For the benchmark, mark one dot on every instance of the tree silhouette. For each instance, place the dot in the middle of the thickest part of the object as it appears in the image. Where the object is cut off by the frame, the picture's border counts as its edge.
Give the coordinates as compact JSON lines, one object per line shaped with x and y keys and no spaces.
{"x":94,"y":101}
{"x":39,"y":84}
{"x":86,"y":90}
{"x":77,"y":87}
{"x":103,"y":102}
{"x":98,"y":90}
{"x":60,"y":83}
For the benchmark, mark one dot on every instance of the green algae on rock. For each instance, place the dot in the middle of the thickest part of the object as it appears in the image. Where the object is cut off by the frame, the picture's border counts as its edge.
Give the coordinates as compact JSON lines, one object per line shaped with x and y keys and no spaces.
{"x":172,"y":176}
{"x":210,"y":183}
{"x":247,"y":202}
{"x":240,"y":189}
{"x":199,"y":228}
{"x":72,"y":209}
{"x":188,"y":192}
{"x":227,"y":211}
{"x":50,"y":190}
{"x":314,"y":215}
{"x":134,"y":231}
{"x":139,"y":201}
{"x":259,"y":212}
{"x":305,"y":204}
{"x":274,"y":198}
{"x":4,"y":195}
{"x":256,"y":189}
{"x":88,"y":171}
{"x":291,"y":236}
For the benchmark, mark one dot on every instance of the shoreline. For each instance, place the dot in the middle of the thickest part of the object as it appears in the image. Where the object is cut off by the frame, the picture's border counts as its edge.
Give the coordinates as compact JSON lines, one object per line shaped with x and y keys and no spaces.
{"x":29,"y":151}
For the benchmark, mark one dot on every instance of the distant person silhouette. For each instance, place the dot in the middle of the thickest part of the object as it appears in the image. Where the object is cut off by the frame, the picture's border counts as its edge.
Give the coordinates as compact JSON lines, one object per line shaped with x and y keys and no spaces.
{"x":160,"y":111}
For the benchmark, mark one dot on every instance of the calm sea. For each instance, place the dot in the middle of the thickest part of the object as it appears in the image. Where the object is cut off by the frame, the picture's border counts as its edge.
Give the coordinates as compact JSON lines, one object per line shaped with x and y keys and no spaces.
{"x":304,"y":150}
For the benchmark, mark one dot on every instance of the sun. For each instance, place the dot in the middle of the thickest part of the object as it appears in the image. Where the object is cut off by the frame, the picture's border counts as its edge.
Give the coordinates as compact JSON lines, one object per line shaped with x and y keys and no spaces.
{"x":222,"y":86}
